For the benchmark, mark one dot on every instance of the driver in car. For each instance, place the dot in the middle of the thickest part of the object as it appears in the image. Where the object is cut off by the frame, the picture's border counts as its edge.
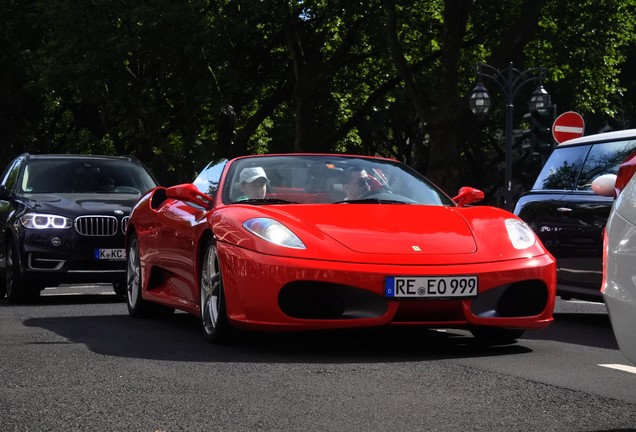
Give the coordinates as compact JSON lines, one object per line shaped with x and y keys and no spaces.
{"x":105,"y":183}
{"x":253,"y":183}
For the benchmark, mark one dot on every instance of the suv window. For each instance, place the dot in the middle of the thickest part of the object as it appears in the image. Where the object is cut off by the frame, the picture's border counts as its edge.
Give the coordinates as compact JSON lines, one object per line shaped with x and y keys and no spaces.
{"x":604,"y":158}
{"x":574,"y":168}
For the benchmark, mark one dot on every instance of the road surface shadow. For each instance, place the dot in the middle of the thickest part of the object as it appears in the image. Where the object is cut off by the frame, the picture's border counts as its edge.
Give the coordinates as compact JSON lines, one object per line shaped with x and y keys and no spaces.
{"x":589,"y":329}
{"x":77,"y":299}
{"x":179,"y":338}
{"x":69,"y":298}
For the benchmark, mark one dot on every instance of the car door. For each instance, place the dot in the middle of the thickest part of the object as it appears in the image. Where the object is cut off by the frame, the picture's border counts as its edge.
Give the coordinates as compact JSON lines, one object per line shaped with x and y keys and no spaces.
{"x":177,"y":244}
{"x":7,"y":205}
{"x":178,"y":235}
{"x":579,"y":240}
{"x":585,"y":214}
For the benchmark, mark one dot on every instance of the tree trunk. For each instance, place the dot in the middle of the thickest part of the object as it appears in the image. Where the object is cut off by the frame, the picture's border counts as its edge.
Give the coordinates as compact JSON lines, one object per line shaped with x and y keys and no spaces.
{"x":445,"y":165}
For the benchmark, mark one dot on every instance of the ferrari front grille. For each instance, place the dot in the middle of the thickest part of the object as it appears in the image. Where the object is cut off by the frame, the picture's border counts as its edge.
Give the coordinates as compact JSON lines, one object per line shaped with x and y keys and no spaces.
{"x":329,"y":301}
{"x":96,"y":226}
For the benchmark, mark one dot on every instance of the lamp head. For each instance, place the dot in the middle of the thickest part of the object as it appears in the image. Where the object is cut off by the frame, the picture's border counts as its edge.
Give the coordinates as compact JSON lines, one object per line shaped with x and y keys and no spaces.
{"x":479,"y":100}
{"x":539,"y":99}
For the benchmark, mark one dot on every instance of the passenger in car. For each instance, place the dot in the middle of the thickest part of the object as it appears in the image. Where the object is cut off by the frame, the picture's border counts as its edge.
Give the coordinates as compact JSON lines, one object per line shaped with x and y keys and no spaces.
{"x":357,"y":183}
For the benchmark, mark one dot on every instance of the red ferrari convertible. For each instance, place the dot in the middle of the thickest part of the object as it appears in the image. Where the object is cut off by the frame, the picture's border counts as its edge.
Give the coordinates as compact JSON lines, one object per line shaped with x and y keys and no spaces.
{"x":310,"y":241}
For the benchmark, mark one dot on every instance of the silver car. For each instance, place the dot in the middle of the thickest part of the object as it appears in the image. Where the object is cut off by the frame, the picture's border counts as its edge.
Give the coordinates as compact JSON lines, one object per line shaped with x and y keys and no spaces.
{"x":619,"y":255}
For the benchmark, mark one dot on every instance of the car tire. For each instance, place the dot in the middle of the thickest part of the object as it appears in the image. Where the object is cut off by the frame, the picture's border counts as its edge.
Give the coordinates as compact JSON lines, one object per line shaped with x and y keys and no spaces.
{"x":17,"y":290}
{"x":491,"y":336}
{"x":120,"y":288}
{"x":214,"y":322}
{"x":137,"y":306}
{"x":3,"y":286}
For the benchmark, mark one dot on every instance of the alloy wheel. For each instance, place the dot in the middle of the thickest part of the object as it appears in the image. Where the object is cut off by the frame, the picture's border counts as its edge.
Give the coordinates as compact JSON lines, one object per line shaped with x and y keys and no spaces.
{"x":210,"y":291}
{"x":133,"y":275}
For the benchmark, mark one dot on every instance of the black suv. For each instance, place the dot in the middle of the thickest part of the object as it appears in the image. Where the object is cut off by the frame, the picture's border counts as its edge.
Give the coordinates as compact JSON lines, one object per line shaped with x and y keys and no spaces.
{"x":63,"y":219}
{"x":568,"y":216}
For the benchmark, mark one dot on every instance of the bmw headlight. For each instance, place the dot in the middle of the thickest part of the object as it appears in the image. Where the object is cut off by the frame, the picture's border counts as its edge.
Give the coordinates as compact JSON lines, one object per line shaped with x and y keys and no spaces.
{"x":45,"y":221}
{"x":520,"y":234}
{"x":274,"y":232}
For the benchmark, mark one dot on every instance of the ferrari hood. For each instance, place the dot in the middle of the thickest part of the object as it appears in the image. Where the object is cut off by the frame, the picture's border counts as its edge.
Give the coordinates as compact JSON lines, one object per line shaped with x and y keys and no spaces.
{"x":394,"y":229}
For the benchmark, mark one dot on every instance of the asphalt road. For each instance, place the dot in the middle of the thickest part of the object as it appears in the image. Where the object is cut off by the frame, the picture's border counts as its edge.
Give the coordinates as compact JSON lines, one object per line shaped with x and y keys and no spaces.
{"x":75,"y":361}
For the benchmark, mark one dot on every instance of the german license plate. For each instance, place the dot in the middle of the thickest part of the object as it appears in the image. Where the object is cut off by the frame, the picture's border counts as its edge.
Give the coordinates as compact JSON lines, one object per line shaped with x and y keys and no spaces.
{"x":431,"y":286}
{"x":110,"y":254}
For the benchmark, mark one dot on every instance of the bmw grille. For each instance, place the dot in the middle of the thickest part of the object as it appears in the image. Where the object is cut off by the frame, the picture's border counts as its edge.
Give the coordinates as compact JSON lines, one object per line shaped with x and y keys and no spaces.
{"x":124,"y":224}
{"x":96,"y":226}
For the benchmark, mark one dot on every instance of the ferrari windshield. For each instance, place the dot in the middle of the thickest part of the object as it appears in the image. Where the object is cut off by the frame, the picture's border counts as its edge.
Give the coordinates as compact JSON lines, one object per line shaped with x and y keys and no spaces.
{"x":312,"y":179}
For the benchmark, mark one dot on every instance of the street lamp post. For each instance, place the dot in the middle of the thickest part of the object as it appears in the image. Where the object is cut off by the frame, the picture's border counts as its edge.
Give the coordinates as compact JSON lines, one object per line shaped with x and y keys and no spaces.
{"x":510,"y":80}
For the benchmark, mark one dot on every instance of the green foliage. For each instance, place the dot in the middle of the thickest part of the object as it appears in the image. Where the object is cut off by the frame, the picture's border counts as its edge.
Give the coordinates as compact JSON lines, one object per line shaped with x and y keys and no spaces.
{"x":180,"y":83}
{"x":583,"y":45}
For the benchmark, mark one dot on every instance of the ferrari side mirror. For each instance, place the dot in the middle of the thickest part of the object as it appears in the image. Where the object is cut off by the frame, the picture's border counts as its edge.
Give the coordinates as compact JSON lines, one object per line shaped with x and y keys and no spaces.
{"x":468,"y":195}
{"x":189,"y":193}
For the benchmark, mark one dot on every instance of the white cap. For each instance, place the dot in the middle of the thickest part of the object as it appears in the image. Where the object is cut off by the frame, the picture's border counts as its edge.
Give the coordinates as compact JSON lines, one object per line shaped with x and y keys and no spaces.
{"x":250,"y":174}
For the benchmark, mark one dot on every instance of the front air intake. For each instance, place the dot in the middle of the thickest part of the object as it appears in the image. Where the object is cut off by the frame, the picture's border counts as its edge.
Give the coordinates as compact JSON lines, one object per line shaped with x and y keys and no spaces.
{"x":519,"y":299}
{"x":329,"y":301}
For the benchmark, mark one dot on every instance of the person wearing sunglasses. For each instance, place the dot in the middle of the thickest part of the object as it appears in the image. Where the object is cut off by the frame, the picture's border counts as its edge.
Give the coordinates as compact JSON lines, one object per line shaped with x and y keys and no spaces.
{"x":356,"y":183}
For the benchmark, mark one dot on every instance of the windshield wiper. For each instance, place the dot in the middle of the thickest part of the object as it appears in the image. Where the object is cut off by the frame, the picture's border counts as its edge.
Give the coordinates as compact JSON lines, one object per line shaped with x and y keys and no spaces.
{"x":371,"y":201}
{"x":257,"y":201}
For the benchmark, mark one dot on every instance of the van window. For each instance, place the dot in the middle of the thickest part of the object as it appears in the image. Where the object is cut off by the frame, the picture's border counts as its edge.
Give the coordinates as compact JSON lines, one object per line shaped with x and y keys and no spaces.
{"x":604,"y":158}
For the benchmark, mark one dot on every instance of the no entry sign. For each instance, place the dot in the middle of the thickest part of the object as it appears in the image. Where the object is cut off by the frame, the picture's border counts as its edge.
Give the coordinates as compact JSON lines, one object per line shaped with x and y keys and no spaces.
{"x":567,"y":126}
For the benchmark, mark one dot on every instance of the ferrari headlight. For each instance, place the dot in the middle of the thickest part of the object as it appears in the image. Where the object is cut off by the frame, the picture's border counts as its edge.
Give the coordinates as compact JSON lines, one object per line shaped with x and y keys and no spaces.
{"x":45,"y":221}
{"x":274,"y":232}
{"x":520,"y":234}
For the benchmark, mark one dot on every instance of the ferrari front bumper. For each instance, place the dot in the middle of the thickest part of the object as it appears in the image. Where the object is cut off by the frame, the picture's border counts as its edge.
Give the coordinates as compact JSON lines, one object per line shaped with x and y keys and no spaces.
{"x":272,"y":293}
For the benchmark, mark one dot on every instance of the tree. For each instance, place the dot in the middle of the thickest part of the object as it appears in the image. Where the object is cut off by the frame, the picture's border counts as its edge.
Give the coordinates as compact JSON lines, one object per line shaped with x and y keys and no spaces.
{"x":180,"y":84}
